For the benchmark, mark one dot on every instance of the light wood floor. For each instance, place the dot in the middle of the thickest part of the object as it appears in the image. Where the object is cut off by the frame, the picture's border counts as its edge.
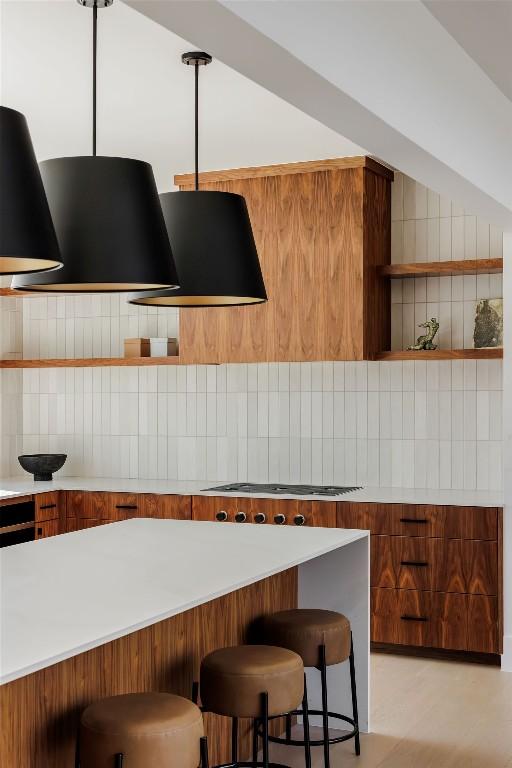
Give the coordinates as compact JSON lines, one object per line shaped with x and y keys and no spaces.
{"x":428,"y":714}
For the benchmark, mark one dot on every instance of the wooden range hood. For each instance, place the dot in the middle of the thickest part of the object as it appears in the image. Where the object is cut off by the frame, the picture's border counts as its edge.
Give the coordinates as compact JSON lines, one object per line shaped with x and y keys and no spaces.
{"x":321,"y":228}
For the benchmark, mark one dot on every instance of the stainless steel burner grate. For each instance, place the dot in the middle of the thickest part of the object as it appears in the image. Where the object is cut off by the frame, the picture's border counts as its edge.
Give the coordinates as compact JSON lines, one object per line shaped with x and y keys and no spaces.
{"x":285,"y":489}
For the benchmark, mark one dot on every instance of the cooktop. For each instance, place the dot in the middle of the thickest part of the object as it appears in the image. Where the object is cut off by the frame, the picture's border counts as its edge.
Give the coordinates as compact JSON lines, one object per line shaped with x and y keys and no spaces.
{"x":283,"y":488}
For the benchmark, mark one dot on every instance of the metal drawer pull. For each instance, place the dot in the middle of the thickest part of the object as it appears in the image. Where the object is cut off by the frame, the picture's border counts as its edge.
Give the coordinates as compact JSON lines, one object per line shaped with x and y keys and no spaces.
{"x":406,"y":617}
{"x":47,"y":506}
{"x":417,"y":563}
{"x":420,"y":520}
{"x":126,"y":506}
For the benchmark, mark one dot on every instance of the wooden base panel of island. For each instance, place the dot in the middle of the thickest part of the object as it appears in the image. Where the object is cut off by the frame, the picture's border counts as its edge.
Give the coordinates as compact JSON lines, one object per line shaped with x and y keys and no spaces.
{"x":40,"y":712}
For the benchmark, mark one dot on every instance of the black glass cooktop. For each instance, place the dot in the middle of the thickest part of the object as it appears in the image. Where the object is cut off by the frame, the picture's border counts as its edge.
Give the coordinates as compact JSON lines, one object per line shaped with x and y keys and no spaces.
{"x":283,"y":488}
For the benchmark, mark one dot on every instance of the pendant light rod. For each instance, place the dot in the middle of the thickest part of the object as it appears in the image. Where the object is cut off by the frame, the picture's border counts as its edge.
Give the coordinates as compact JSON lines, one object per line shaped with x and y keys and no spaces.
{"x":94,"y":68}
{"x":197,"y":59}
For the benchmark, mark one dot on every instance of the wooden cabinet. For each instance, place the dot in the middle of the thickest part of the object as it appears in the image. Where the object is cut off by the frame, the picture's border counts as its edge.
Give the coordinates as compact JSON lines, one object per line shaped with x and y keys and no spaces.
{"x":47,"y":528}
{"x":264,"y":511}
{"x":86,"y":509}
{"x":321,"y":230}
{"x":436,"y":574}
{"x":49,"y":506}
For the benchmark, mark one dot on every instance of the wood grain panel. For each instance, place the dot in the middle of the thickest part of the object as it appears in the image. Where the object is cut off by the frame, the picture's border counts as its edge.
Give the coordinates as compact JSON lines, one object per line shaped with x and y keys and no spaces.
{"x":314,"y":232}
{"x":97,"y":504}
{"x":47,"y":506}
{"x":166,"y":506}
{"x":483,"y":624}
{"x":75,"y":503}
{"x":47,"y":528}
{"x":465,"y":566}
{"x":401,"y":561}
{"x":89,"y":362}
{"x":40,"y":712}
{"x":315,"y":513}
{"x":16,"y":500}
{"x":368,"y":516}
{"x":441,"y":268}
{"x":280,"y":169}
{"x":449,"y":625}
{"x":488,"y":353}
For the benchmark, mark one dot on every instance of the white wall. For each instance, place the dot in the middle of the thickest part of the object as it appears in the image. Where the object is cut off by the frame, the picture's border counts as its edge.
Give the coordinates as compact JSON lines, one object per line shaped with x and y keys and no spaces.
{"x":507,"y":456}
{"x":145,"y":95}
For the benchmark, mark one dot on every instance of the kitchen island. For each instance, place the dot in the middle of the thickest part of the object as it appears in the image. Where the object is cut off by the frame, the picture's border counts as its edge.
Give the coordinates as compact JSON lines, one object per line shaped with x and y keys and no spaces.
{"x":135,"y":605}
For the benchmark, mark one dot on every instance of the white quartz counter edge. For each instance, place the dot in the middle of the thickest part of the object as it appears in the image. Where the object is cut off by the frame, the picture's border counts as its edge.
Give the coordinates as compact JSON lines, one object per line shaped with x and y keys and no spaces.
{"x":18,"y":486}
{"x":327,"y":540}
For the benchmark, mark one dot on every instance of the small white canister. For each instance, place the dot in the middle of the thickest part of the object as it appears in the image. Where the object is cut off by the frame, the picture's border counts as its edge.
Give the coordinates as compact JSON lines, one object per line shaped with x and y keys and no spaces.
{"x":163,"y":347}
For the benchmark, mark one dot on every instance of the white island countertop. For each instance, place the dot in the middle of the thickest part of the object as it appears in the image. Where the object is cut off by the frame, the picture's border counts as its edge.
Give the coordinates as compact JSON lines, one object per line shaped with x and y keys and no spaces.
{"x":64,"y":595}
{"x":17,"y":486}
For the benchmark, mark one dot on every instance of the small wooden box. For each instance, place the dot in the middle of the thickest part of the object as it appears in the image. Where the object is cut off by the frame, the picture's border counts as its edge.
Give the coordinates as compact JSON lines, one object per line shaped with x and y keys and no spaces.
{"x":137,"y":348}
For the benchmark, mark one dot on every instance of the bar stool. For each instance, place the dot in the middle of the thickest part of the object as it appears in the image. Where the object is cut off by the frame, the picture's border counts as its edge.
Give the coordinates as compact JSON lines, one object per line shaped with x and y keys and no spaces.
{"x":142,"y":730}
{"x":252,"y":681}
{"x":321,"y":638}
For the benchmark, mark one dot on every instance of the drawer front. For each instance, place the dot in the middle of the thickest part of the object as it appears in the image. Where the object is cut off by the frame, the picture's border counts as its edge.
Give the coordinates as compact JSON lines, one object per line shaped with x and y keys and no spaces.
{"x":264,"y":511}
{"x":435,"y":620}
{"x":46,"y":529}
{"x":166,"y":506}
{"x":463,"y":565}
{"x":96,"y":505}
{"x":75,"y":503}
{"x":421,"y":520}
{"x":47,"y":506}
{"x":123,"y":506}
{"x":401,"y":561}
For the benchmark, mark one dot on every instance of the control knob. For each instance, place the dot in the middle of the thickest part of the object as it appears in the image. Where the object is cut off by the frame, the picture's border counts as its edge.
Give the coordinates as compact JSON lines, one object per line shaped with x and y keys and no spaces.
{"x":240,"y":517}
{"x":279,"y":519}
{"x":222,"y":516}
{"x":260,"y":517}
{"x":299,"y":519}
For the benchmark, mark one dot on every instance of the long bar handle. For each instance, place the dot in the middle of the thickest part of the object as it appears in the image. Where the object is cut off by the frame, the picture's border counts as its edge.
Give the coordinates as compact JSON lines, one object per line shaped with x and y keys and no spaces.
{"x":406,"y":617}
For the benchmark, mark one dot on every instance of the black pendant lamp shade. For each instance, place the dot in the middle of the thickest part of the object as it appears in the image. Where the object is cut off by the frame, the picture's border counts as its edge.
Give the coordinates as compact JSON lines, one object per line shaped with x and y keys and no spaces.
{"x":27,"y":236}
{"x":109,"y":224}
{"x":212,"y":242}
{"x":215,"y":252}
{"x":108,"y":219}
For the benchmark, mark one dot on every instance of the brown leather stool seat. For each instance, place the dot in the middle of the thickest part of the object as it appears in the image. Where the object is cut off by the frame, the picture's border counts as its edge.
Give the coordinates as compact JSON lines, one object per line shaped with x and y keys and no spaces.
{"x":150,"y":730}
{"x":234,"y":679}
{"x":305,"y":630}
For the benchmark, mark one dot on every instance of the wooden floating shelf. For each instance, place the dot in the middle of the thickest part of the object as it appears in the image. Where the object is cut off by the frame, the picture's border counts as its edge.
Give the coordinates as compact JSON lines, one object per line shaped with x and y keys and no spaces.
{"x":89,"y":362}
{"x":491,"y":353}
{"x":442,"y":268}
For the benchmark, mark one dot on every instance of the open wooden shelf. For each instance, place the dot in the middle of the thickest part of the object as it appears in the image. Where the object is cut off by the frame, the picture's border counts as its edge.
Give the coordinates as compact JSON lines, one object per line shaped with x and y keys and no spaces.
{"x":490,"y":353}
{"x":441,"y":268}
{"x":18,"y":294}
{"x":89,"y":362}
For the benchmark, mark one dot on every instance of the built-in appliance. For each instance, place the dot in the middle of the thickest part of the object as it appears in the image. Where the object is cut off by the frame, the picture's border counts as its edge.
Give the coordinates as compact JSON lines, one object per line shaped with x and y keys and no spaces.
{"x":285,"y":489}
{"x":17,"y":523}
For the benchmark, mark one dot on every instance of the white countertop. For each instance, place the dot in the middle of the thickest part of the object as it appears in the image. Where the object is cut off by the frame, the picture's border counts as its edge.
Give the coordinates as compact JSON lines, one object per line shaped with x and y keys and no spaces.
{"x":66,"y":594}
{"x":19,"y":485}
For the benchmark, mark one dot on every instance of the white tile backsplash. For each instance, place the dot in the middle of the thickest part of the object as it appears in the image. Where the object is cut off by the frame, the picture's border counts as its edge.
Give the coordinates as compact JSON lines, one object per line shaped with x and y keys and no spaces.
{"x":435,"y":424}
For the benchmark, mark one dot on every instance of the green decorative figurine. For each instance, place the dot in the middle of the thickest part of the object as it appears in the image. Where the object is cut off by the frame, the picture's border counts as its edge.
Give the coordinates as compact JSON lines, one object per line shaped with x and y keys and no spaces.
{"x":425,"y":341}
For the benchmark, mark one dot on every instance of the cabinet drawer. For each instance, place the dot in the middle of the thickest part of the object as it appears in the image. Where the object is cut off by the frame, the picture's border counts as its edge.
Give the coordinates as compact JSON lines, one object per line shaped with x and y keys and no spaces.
{"x":462,"y":565}
{"x":401,"y":561}
{"x":442,"y":565}
{"x":47,"y":506}
{"x":272,"y":511}
{"x":435,"y":620}
{"x":421,"y":520}
{"x":46,"y":529}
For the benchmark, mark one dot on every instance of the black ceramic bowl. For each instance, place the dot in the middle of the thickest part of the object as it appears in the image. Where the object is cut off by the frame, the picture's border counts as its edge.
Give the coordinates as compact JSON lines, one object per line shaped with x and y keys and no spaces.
{"x":42,"y":465}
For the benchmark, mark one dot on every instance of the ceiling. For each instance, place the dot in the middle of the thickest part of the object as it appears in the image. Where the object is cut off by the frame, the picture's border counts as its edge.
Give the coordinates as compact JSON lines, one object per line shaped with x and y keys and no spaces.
{"x":484,"y":29}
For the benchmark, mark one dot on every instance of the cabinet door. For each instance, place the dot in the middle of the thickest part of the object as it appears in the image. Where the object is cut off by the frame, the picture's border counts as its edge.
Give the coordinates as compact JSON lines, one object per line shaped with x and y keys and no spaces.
{"x":401,"y":561}
{"x":97,"y":505}
{"x":46,"y":529}
{"x":401,"y":616}
{"x":166,"y":506}
{"x":123,"y":506}
{"x":465,"y":566}
{"x":75,"y":503}
{"x":47,"y":506}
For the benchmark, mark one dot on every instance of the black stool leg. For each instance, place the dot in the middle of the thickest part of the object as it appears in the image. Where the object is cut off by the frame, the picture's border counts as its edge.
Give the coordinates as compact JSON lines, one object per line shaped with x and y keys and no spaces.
{"x":288,"y":728}
{"x":355,"y":714}
{"x":264,"y":707}
{"x":325,"y":710}
{"x":255,"y":727}
{"x":77,"y":753}
{"x":203,"y":749}
{"x":305,"y":720}
{"x":234,"y":740}
{"x":119,"y":760}
{"x":195,"y":691}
